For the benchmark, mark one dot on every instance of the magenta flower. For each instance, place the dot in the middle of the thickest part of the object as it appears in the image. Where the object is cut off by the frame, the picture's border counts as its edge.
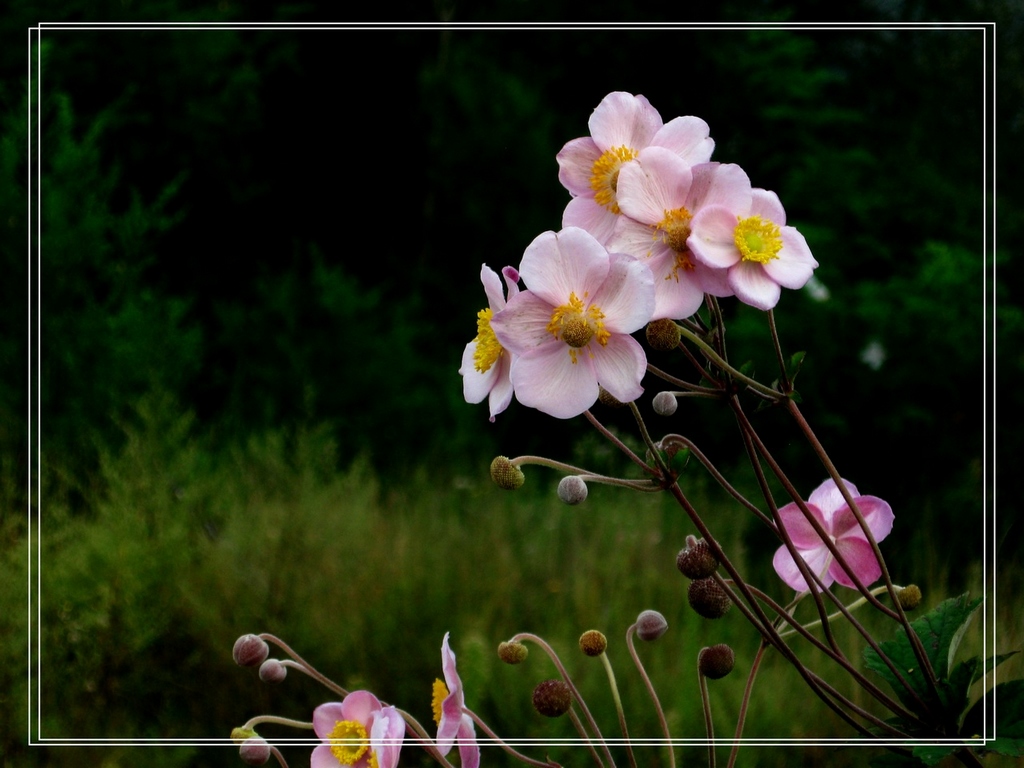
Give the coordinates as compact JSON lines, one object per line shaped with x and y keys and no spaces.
{"x":659,"y":195}
{"x":571,"y":328}
{"x":829,"y":508}
{"x":621,"y":125}
{"x":452,"y":722}
{"x":747,"y":235}
{"x":485,"y":363}
{"x":359,"y":732}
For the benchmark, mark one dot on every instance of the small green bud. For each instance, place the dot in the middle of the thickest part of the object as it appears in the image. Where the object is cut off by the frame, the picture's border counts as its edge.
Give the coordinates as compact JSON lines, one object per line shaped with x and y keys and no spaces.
{"x":650,"y":625}
{"x":695,"y":560}
{"x":593,"y":642}
{"x":572,"y":490}
{"x":238,"y":735}
{"x":506,"y":475}
{"x":909,"y":597}
{"x":552,"y":698}
{"x":513,"y":652}
{"x":716,"y":662}
{"x":708,"y":598}
{"x":663,"y":335}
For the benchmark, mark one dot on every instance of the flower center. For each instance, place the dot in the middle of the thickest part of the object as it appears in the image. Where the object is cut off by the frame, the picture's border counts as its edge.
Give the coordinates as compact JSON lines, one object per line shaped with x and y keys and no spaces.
{"x":576,"y":325}
{"x":758,"y":239}
{"x":348,"y":741}
{"x":675,"y":229}
{"x":604,"y":175}
{"x":440,"y":694}
{"x":488,"y":348}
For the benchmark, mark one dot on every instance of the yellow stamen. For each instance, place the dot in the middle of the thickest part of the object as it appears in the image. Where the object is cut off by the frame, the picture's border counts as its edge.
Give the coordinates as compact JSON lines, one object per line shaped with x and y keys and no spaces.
{"x":576,"y":326}
{"x":349,"y":742}
{"x":440,"y":694}
{"x":604,"y":175}
{"x":675,"y":229}
{"x":488,"y":348}
{"x":758,"y":239}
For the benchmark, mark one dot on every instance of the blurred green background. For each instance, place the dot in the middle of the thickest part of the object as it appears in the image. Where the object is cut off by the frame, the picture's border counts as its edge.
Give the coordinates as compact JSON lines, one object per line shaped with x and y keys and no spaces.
{"x":260,"y":261}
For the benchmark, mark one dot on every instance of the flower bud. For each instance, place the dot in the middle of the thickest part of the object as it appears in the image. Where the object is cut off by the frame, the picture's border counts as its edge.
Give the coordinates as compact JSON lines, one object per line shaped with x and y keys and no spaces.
{"x":513,"y":652}
{"x":250,"y":650}
{"x":716,"y":662}
{"x":695,"y":560}
{"x":664,"y":403}
{"x":238,"y":735}
{"x":506,"y":475}
{"x":552,"y":698}
{"x":663,"y":335}
{"x":572,"y":489}
{"x":909,"y":597}
{"x":254,"y":751}
{"x":708,"y":598}
{"x":593,"y":642}
{"x":606,"y":398}
{"x":650,"y":625}
{"x":273,"y":671}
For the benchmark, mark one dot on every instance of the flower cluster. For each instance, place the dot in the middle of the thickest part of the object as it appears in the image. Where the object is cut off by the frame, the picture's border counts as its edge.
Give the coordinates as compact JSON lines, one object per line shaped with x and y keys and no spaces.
{"x":653,"y":226}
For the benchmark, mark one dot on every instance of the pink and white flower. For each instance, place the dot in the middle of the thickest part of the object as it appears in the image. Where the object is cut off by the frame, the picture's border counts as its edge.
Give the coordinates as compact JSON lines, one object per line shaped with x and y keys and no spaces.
{"x":452,"y":722}
{"x":485,"y":363}
{"x":659,"y":195}
{"x":621,"y":126}
{"x":357,"y":731}
{"x":829,"y":508}
{"x":747,"y":235}
{"x":571,"y":328}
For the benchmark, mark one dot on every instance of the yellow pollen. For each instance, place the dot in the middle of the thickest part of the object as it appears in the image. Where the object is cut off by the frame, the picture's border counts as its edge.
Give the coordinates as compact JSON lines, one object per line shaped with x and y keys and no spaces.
{"x":440,"y":694}
{"x":488,"y":348}
{"x":758,"y":239}
{"x":675,"y":229}
{"x":348,"y":740}
{"x":604,"y":175}
{"x":576,"y":325}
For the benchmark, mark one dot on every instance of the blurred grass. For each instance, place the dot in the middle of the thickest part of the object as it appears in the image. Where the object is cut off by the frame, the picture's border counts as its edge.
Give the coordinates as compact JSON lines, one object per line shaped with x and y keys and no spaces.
{"x":362,"y":573}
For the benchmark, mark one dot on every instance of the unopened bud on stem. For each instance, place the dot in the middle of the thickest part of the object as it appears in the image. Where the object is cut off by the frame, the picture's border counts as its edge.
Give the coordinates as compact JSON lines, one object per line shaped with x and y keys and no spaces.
{"x":650,"y":625}
{"x":512,"y":653}
{"x":593,"y":642}
{"x":250,"y":650}
{"x":664,"y":403}
{"x":572,"y":490}
{"x":273,"y":671}
{"x":552,"y":698}
{"x":506,"y":475}
{"x":716,"y":662}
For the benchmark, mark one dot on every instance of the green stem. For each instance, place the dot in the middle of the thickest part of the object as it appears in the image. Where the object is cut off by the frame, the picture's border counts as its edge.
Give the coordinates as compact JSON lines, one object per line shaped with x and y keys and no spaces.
{"x":618,"y":706}
{"x":722,"y":363}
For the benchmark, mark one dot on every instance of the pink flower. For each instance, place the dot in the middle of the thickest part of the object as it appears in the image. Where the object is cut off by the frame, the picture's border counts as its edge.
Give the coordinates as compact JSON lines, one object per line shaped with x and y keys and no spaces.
{"x":485,"y":363}
{"x":571,"y":328}
{"x":831,"y":510}
{"x":358,"y":731}
{"x":747,"y":235}
{"x":659,"y":195}
{"x":452,"y":722}
{"x":620,"y":127}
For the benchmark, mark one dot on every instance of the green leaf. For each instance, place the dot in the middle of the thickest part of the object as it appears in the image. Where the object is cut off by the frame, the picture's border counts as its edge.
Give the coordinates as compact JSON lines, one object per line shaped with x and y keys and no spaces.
{"x":1006,"y":702}
{"x":930,"y":755}
{"x":796,"y":360}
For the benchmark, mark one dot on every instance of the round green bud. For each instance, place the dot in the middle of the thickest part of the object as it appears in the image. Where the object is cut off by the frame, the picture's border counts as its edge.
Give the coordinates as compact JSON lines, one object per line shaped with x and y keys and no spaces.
{"x":716,"y":661}
{"x":250,"y":650}
{"x":909,"y":597}
{"x":593,"y":643}
{"x":512,"y":652}
{"x":506,"y":475}
{"x":708,"y":598}
{"x":650,"y":625}
{"x":663,"y":335}
{"x":695,"y":560}
{"x":552,"y":698}
{"x":572,"y":490}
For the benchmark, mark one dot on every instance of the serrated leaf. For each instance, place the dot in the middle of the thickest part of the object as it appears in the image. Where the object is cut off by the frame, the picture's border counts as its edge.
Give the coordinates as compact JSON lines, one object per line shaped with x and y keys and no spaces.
{"x":1006,"y":702}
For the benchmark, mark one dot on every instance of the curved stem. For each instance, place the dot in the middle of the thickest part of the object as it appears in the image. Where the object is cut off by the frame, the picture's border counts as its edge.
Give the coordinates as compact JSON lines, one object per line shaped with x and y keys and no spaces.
{"x":259,"y":719}
{"x":654,"y":696}
{"x":741,"y":719}
{"x":618,"y":443}
{"x":309,"y":668}
{"x":709,"y":725}
{"x":787,"y":385}
{"x":618,"y":706}
{"x":508,"y":748}
{"x":583,"y":732}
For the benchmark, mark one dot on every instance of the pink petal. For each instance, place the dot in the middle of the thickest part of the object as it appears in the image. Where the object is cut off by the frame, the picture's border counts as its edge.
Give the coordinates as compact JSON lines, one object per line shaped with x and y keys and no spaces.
{"x":322,"y":757}
{"x":877,"y":514}
{"x":794,"y":264}
{"x":492,"y":287}
{"x":359,"y":707}
{"x":620,"y":366}
{"x":724,"y":184}
{"x":557,"y":264}
{"x":501,"y":393}
{"x":687,"y":137}
{"x":861,"y":559}
{"x":634,"y":238}
{"x":469,"y":750}
{"x":626,"y":297}
{"x":575,"y":165}
{"x":325,"y":716}
{"x":788,"y":571}
{"x":678,"y":293}
{"x":659,"y":182}
{"x":713,"y":237}
{"x":549,"y":381}
{"x":800,"y":530}
{"x":622,"y":119}
{"x":475,"y":385}
{"x":753,"y":286}
{"x":713,"y":281}
{"x":828,"y":498}
{"x":586,"y":214}
{"x":522,"y":325}
{"x":386,"y":736}
{"x":768,"y":206}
